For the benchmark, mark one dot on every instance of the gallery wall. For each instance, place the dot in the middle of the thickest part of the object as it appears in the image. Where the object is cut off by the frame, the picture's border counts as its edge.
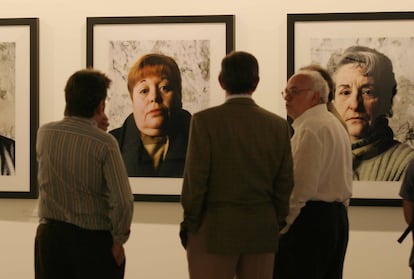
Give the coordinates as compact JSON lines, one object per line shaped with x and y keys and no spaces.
{"x":154,"y":250}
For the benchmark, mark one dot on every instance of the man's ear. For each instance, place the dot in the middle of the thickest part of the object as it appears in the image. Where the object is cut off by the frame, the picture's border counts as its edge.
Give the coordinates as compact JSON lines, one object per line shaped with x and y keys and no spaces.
{"x":256,"y":83}
{"x":220,"y":79}
{"x":316,"y":98}
{"x":101,"y":107}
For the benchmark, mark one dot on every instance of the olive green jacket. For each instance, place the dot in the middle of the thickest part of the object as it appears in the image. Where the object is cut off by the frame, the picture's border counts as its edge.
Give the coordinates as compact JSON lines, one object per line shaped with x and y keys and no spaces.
{"x":238,"y":177}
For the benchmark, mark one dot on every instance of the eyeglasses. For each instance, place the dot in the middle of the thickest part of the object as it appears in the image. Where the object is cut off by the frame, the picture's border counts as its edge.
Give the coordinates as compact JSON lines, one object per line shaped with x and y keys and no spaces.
{"x":293,"y":92}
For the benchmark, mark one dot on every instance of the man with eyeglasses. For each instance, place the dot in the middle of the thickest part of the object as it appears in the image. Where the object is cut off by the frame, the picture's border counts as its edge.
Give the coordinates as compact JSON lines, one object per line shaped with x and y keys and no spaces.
{"x":313,"y":243}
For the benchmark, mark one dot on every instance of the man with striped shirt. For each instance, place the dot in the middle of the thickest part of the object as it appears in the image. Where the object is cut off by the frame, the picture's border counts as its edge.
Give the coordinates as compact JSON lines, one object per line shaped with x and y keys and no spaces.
{"x":85,"y":204}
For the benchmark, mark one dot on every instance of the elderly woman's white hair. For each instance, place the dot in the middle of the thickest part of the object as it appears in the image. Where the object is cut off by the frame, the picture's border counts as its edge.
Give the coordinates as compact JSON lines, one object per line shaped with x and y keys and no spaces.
{"x":318,"y":84}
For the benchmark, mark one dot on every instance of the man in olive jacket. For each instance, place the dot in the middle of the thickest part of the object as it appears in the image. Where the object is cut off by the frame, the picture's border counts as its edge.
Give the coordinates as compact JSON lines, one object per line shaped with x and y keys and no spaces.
{"x":238,"y":177}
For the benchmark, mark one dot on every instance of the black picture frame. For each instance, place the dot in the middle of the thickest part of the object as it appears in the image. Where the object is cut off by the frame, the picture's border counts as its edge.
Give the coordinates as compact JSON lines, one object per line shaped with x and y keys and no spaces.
{"x":219,"y":30}
{"x":20,"y":37}
{"x":301,"y":28}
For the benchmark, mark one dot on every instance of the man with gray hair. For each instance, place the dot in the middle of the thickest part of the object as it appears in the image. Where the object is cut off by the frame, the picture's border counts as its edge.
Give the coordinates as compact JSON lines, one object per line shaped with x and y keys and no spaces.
{"x":314,"y":240}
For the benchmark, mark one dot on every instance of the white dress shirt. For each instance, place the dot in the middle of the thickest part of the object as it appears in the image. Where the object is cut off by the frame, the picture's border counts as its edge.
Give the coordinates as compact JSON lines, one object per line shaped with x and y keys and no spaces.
{"x":322,"y":160}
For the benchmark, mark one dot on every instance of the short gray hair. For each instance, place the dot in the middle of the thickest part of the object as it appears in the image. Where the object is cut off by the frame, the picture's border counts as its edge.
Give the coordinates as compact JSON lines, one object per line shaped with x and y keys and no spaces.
{"x":318,"y":83}
{"x":376,"y":65}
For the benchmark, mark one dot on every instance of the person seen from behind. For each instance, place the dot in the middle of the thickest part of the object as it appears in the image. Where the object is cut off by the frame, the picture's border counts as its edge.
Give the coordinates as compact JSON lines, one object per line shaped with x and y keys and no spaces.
{"x":85,"y":200}
{"x":238,"y":177}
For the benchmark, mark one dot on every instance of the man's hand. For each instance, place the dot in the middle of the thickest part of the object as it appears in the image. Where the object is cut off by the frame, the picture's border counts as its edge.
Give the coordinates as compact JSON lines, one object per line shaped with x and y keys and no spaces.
{"x":118,"y":252}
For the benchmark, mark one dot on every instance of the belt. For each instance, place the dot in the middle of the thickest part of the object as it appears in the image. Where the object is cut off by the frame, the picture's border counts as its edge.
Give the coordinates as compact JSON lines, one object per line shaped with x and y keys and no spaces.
{"x":324,"y":203}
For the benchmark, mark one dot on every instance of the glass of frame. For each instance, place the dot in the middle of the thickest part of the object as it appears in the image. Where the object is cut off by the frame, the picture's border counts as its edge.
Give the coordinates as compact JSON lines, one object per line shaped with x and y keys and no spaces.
{"x":115,"y":43}
{"x":19,"y":89}
{"x":313,"y":38}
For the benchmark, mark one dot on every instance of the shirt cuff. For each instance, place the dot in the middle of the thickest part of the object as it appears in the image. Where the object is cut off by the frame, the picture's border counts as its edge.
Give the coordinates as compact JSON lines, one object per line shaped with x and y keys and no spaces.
{"x":285,"y":229}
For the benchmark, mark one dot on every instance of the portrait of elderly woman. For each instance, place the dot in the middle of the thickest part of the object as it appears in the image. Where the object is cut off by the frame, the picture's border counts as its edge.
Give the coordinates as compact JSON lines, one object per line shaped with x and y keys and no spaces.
{"x":7,"y":107}
{"x":7,"y":155}
{"x":153,"y":138}
{"x":365,"y":87}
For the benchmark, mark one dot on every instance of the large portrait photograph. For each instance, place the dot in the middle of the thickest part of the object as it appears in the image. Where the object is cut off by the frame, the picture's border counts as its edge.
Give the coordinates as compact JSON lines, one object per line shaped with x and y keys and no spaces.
{"x":18,"y":106}
{"x":369,"y":57}
{"x":163,"y":70}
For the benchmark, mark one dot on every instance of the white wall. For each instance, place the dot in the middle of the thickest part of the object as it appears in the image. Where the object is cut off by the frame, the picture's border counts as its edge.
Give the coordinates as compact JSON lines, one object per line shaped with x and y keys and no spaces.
{"x":154,"y":250}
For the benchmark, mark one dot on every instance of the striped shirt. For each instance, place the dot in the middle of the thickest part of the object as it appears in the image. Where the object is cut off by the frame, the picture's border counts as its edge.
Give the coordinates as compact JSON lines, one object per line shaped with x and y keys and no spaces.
{"x":82,"y":178}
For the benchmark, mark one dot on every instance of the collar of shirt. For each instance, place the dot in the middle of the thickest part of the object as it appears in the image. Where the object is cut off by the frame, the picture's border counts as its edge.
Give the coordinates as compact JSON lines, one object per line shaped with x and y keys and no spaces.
{"x":90,"y":121}
{"x":315,"y":110}
{"x":243,"y":95}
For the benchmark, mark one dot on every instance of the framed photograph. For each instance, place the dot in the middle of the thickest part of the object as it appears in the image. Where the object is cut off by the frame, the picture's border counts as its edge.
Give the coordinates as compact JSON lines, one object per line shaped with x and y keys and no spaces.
{"x":19,"y":89}
{"x":322,"y":39}
{"x":196,"y":43}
